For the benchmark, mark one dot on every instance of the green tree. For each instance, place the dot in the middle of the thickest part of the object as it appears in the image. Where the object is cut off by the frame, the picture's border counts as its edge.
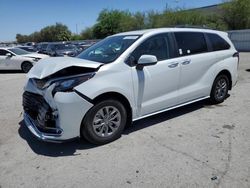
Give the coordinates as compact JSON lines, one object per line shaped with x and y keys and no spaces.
{"x":110,"y":22}
{"x":61,"y":32}
{"x":75,"y":37}
{"x":107,"y":23}
{"x":57,"y":32}
{"x":35,"y":37}
{"x":170,"y":18}
{"x":87,"y":33}
{"x":139,"y":20}
{"x":237,"y":14}
{"x":21,"y":38}
{"x":152,"y":18}
{"x":127,"y":22}
{"x":216,"y":22}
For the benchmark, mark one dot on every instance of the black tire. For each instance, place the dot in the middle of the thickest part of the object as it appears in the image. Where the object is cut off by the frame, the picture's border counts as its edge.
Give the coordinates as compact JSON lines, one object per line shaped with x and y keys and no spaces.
{"x":26,"y":66}
{"x":91,"y":134}
{"x":220,"y":89}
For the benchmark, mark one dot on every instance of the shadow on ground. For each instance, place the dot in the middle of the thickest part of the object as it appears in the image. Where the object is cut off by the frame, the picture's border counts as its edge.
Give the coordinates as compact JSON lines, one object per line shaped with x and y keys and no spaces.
{"x":248,"y":70}
{"x":165,"y":116}
{"x":10,"y":71}
{"x":52,"y":149}
{"x":70,"y":148}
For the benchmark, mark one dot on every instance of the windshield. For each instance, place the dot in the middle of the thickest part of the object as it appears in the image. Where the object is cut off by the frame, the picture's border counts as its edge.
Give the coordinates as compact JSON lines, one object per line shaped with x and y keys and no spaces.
{"x":109,"y":49}
{"x":18,"y":51}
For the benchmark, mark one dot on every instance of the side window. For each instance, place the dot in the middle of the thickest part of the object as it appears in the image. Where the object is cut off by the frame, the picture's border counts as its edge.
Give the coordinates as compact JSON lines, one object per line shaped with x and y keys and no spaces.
{"x":217,"y":42}
{"x":157,"y":45}
{"x":3,"y":52}
{"x":190,"y":43}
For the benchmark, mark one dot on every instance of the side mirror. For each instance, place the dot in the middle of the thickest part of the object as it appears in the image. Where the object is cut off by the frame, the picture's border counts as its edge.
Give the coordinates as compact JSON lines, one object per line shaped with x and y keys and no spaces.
{"x":9,"y":55}
{"x":146,"y":60}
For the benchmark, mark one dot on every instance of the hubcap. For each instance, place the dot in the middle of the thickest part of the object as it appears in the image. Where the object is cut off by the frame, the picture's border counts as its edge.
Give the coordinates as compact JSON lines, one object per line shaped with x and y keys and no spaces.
{"x":106,"y":121}
{"x":221,"y":89}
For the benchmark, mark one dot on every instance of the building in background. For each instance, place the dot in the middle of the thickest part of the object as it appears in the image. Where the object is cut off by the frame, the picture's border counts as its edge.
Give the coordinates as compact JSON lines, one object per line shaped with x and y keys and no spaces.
{"x":241,"y":39}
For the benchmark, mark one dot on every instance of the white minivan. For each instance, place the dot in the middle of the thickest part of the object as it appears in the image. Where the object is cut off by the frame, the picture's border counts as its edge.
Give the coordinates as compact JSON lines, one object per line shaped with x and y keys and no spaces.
{"x":126,"y":77}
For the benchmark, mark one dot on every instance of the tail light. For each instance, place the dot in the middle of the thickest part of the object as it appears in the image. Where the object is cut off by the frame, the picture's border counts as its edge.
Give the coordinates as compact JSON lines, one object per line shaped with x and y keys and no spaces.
{"x":236,"y":54}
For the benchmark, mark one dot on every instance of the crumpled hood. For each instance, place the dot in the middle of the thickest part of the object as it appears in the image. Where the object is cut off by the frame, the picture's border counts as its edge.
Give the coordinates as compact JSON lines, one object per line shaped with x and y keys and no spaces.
{"x":48,"y":66}
{"x":35,"y":55}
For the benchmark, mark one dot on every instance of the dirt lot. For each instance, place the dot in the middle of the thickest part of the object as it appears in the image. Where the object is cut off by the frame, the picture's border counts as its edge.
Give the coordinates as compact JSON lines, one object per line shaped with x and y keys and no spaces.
{"x":194,"y":146}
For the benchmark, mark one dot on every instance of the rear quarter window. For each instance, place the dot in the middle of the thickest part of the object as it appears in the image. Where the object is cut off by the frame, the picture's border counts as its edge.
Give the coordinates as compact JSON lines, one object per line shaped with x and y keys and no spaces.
{"x":217,"y":42}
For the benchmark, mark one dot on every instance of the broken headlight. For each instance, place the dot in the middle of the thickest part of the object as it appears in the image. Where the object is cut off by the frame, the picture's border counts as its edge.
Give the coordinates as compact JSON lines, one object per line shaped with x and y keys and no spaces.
{"x":67,"y":84}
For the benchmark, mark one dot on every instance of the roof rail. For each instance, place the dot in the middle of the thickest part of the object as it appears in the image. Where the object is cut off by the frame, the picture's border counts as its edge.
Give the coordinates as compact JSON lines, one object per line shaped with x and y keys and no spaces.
{"x":193,"y":26}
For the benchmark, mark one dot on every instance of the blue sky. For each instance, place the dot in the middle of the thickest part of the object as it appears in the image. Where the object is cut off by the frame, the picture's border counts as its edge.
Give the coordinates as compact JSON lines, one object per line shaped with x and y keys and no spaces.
{"x":27,"y":16}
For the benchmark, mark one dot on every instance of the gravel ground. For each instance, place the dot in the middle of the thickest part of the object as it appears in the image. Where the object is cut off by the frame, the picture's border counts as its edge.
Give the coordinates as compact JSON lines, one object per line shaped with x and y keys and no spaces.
{"x":194,"y":146}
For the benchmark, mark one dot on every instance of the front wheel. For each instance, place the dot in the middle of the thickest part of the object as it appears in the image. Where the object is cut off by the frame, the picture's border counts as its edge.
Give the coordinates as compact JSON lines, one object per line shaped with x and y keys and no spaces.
{"x":219,"y":90}
{"x":104,"y":122}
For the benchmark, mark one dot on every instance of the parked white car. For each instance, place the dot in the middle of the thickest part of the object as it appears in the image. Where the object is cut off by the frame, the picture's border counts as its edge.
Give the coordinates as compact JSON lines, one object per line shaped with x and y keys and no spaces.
{"x":126,"y":77}
{"x":18,"y":59}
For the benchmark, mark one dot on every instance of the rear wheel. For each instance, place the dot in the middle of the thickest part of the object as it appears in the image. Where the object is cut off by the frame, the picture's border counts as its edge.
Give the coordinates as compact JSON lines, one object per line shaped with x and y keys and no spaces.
{"x":26,"y":66}
{"x":219,"y":90}
{"x":104,"y":122}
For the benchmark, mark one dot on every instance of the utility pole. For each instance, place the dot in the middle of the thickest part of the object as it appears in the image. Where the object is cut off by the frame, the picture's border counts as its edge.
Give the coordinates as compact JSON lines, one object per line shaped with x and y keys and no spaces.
{"x":76,"y":29}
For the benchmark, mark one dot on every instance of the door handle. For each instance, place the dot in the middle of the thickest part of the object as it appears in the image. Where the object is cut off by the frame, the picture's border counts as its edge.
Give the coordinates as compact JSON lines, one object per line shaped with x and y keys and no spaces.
{"x":186,"y":62}
{"x":173,"y":65}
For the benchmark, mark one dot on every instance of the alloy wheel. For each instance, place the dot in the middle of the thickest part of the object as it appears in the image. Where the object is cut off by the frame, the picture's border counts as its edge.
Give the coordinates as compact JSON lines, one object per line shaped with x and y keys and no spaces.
{"x":221,"y":89}
{"x":106,"y":121}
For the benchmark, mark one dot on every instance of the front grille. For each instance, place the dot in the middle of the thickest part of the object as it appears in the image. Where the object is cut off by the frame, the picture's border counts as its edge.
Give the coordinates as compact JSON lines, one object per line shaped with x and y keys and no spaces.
{"x":38,"y":109}
{"x":31,"y":103}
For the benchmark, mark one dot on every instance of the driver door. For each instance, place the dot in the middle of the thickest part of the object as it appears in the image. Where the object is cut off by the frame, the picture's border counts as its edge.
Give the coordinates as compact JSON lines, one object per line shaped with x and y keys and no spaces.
{"x":156,"y":86}
{"x":4,"y":60}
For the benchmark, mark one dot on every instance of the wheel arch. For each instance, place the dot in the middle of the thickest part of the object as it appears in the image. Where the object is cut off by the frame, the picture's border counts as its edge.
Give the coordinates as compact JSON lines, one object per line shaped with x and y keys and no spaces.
{"x":113,"y":95}
{"x":26,"y":61}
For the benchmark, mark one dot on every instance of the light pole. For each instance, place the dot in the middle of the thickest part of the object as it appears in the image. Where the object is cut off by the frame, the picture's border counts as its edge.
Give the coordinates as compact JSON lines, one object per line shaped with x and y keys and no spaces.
{"x":76,"y":29}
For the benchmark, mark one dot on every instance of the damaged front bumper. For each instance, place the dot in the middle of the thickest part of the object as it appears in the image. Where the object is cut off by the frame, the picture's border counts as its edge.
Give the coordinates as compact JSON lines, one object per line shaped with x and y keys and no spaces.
{"x":31,"y":124}
{"x":53,"y":118}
